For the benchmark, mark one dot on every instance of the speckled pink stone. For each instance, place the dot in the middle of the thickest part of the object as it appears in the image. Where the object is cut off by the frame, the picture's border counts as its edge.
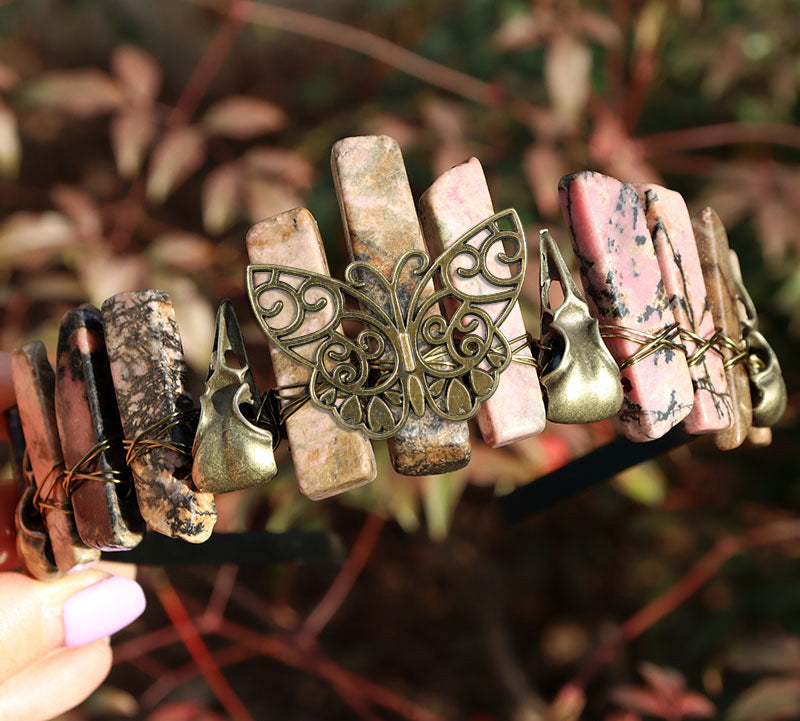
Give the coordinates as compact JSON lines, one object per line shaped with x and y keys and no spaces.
{"x":328,"y":459}
{"x":624,"y":288}
{"x":671,"y":228}
{"x":381,"y":224}
{"x":457,"y":201}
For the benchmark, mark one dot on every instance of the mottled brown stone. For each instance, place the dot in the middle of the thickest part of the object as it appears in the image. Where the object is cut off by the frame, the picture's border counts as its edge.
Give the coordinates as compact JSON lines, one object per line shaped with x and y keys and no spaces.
{"x":712,"y":244}
{"x":381,"y":224}
{"x":105,"y":511}
{"x":759,"y":437}
{"x":149,"y":373}
{"x":34,"y":387}
{"x":328,"y":459}
{"x":456,"y":202}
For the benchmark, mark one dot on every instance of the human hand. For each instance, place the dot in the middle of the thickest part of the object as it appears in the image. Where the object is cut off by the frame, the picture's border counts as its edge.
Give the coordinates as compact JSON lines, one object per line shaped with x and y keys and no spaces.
{"x":54,"y":646}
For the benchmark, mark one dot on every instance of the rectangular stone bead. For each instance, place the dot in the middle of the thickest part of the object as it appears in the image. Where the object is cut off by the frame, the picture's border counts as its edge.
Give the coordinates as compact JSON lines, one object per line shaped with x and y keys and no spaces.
{"x":457,"y":201}
{"x":34,"y":387}
{"x":712,"y":245}
{"x":33,"y":552}
{"x":381,"y":224}
{"x":624,"y":289}
{"x":671,"y":228}
{"x":328,"y":459}
{"x":149,"y":372}
{"x":105,"y":512}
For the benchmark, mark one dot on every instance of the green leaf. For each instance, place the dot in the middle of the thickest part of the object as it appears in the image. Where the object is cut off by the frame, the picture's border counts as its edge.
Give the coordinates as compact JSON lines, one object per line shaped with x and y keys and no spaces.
{"x":440,"y":495}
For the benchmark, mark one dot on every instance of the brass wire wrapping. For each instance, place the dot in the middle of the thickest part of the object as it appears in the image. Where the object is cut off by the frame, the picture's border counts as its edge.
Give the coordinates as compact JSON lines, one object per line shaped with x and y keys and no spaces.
{"x":41,"y":496}
{"x":666,"y":338}
{"x":650,"y":342}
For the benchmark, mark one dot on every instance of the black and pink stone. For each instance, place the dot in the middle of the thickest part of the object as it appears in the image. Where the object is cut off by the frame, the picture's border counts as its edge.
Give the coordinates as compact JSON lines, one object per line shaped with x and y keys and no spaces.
{"x":671,"y":227}
{"x":34,"y":387}
{"x":105,"y":511}
{"x":624,"y":288}
{"x":149,"y":372}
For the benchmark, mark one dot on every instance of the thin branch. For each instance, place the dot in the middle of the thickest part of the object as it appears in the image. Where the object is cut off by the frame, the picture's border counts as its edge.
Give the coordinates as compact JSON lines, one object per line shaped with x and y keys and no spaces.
{"x":714,"y":136}
{"x":171,"y":680}
{"x":319,"y":665}
{"x":347,"y":576}
{"x":698,"y":575}
{"x":224,"y":583}
{"x":196,"y":87}
{"x":236,"y":18}
{"x":389,"y":53}
{"x":191,"y":639}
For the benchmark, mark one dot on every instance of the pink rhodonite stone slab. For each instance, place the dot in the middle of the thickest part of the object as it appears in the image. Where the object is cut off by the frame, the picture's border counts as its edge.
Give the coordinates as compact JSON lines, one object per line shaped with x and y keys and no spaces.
{"x":105,"y":511}
{"x":457,"y":201}
{"x":328,"y":459}
{"x":149,"y":371}
{"x":671,"y":228}
{"x":34,"y":387}
{"x":624,"y":289}
{"x":381,"y":224}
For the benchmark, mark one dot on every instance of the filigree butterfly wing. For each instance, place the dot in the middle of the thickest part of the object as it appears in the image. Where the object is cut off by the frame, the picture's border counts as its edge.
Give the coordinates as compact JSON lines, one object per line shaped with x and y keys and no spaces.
{"x":462,"y":353}
{"x":357,"y":379}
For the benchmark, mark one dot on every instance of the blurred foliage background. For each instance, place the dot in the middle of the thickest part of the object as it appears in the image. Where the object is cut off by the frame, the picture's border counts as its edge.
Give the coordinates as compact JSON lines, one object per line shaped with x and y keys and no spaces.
{"x":138,"y":141}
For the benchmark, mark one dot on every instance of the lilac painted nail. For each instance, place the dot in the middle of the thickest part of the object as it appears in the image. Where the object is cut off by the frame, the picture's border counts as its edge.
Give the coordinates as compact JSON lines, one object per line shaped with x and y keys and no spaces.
{"x":101,"y":609}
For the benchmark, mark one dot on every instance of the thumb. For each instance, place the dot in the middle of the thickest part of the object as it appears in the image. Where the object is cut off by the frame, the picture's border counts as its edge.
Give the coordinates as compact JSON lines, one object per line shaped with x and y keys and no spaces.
{"x":37,"y":617}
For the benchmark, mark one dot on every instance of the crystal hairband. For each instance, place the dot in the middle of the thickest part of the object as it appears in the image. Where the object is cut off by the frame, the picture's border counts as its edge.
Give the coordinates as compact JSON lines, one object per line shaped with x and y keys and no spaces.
{"x":434,"y":360}
{"x":570,"y":352}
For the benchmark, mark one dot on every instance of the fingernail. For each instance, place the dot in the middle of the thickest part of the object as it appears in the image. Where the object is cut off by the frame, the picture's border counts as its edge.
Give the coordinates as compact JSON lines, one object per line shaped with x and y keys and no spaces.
{"x":101,"y":609}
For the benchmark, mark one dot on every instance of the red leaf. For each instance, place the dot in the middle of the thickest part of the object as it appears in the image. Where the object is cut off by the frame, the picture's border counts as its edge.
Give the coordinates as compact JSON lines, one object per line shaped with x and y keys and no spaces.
{"x":771,"y":654}
{"x":183,"y":711}
{"x":28,"y":239}
{"x":266,"y":197}
{"x":597,"y":27}
{"x":180,"y":153}
{"x":544,"y":166}
{"x":80,"y":208}
{"x":10,"y":148}
{"x":138,"y":73}
{"x":9,"y":78}
{"x":615,"y":151}
{"x":567,"y":74}
{"x":84,"y":93}
{"x":104,"y":274}
{"x":221,"y":197}
{"x":666,"y":682}
{"x":132,"y":132}
{"x":695,"y":705}
{"x":277,"y":163}
{"x":243,"y":117}
{"x":183,"y":252}
{"x":521,"y":32}
{"x":642,"y":700}
{"x":771,"y":699}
